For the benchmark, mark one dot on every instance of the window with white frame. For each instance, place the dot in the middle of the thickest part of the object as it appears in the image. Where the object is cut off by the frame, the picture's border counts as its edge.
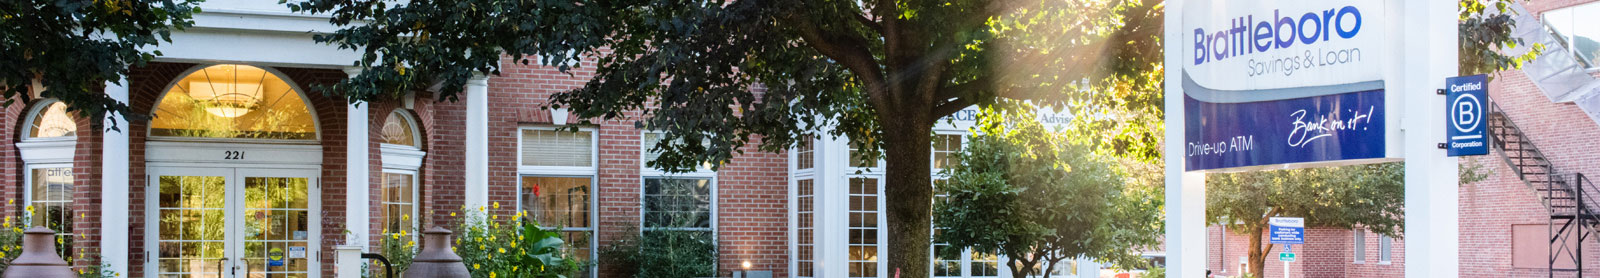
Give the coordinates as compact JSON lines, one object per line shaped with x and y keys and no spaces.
{"x":946,"y":263}
{"x":675,"y":201}
{"x":863,"y":229}
{"x":1385,"y":248}
{"x":1580,"y":29}
{"x":805,"y":215}
{"x":47,"y":149}
{"x":557,"y":170}
{"x":402,"y":153}
{"x":1359,"y":244}
{"x":805,"y":228}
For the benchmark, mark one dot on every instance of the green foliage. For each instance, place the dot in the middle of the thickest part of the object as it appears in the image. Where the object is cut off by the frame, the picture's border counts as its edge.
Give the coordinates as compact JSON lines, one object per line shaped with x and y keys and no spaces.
{"x":72,"y":47}
{"x":1037,"y":198}
{"x":1485,"y":34}
{"x":1371,"y":196}
{"x":514,"y":248}
{"x":1155,"y":272}
{"x":664,"y":254}
{"x":399,"y":248}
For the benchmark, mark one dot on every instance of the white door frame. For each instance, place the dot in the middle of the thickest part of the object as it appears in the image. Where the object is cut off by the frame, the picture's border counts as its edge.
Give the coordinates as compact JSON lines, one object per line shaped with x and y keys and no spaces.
{"x":233,"y":161}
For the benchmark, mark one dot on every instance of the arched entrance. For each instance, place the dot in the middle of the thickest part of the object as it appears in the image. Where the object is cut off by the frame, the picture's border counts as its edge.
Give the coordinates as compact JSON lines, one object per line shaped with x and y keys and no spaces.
{"x":233,"y":188}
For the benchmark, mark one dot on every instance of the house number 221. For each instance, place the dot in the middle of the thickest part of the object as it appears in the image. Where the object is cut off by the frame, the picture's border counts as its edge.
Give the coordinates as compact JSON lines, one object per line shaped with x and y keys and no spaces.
{"x":232,"y":155}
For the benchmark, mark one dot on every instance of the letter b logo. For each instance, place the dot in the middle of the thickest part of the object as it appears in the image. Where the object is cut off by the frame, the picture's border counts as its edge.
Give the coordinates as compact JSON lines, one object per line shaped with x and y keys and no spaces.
{"x":1467,"y":112}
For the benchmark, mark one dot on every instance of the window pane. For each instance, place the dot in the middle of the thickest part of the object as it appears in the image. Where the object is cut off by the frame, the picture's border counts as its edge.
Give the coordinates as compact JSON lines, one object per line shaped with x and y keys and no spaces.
{"x":653,"y":138}
{"x":399,"y":203}
{"x":1385,"y":248}
{"x":52,"y":204}
{"x":557,"y":148}
{"x":857,"y":161}
{"x":863,"y":227}
{"x":557,"y":201}
{"x":943,"y":147}
{"x":806,"y":227}
{"x":233,"y":101}
{"x":1360,"y":244}
{"x":677,"y":203}
{"x":805,"y":155}
{"x":53,"y":121}
{"x":397,"y":130}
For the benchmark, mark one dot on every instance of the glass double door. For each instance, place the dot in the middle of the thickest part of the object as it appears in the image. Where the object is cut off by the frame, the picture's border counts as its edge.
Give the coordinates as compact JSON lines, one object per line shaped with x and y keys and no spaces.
{"x":234,"y":222}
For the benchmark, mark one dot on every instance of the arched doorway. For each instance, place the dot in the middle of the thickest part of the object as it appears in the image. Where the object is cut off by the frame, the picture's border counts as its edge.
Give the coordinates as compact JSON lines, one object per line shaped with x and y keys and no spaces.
{"x":233,"y":188}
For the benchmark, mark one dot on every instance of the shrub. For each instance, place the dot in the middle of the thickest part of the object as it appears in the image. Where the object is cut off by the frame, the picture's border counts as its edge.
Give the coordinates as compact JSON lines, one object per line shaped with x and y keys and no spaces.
{"x":514,"y":248}
{"x":11,"y":232}
{"x":663,"y":254}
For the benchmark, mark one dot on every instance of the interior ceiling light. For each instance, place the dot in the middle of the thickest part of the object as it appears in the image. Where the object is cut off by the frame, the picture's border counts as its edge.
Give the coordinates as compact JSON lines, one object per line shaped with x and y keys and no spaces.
{"x":226,"y":99}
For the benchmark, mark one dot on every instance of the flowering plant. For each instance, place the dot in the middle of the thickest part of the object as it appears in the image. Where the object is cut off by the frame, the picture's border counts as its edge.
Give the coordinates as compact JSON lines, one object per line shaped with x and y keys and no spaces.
{"x":513,"y":248}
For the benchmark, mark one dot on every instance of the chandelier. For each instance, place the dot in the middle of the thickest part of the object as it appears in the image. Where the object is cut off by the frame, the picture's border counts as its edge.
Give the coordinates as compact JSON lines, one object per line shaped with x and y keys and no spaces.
{"x":226,"y":99}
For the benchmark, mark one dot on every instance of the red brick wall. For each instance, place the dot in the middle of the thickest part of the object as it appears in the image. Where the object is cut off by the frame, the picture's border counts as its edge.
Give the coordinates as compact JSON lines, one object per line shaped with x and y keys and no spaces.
{"x":751,"y":189}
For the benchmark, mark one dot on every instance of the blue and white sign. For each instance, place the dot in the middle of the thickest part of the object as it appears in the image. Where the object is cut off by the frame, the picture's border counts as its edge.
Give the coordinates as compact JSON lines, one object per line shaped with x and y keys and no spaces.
{"x":1286,"y":230}
{"x":1271,"y":82}
{"x":1465,"y":99}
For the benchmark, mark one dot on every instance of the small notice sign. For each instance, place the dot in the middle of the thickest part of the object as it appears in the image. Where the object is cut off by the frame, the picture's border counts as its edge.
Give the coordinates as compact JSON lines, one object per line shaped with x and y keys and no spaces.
{"x":1287,"y":230}
{"x":1286,"y":257}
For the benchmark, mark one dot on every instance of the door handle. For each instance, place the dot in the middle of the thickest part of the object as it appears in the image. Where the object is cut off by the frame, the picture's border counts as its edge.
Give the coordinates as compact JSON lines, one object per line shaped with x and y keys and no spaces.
{"x":219,"y":265}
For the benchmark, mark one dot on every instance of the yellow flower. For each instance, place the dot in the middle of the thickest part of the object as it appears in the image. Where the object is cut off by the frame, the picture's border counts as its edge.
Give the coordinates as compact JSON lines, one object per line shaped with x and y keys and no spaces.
{"x":452,"y":249}
{"x":496,"y":205}
{"x":480,"y":209}
{"x":394,"y":236}
{"x":476,"y":266}
{"x":494,"y":217}
{"x":491,"y":257}
{"x":502,"y":250}
{"x":404,"y":233}
{"x":452,"y":214}
{"x":405,"y":217}
{"x":513,"y":268}
{"x":411,"y":243}
{"x":481,"y":247}
{"x":513,"y":244}
{"x":2,"y":254}
{"x":29,"y":209}
{"x":492,"y":275}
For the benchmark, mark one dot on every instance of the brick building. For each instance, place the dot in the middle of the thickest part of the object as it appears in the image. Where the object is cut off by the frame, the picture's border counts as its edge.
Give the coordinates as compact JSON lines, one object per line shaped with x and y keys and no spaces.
{"x":241,"y":168}
{"x":1505,"y":223}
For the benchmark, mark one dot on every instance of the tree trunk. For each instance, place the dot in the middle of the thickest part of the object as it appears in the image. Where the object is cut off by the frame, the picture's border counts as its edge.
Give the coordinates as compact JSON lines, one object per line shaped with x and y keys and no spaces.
{"x":1258,"y":254}
{"x":908,"y":191}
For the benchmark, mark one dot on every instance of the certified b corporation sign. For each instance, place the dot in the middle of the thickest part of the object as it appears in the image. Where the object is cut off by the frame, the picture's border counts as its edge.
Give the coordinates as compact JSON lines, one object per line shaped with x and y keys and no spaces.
{"x":1466,"y":100}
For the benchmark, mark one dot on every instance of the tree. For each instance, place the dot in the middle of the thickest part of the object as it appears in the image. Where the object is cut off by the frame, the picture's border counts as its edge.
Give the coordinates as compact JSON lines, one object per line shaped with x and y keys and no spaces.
{"x":1371,"y":196}
{"x":713,"y":75}
{"x":1033,"y":196}
{"x":72,"y":47}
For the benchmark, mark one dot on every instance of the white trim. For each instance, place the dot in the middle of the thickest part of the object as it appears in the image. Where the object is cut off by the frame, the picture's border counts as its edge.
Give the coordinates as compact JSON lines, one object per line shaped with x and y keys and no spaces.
{"x":411,"y":123}
{"x":477,"y":144}
{"x":594,"y":154}
{"x":416,"y":198}
{"x":401,"y":156}
{"x":214,"y":154}
{"x":33,"y":114}
{"x":115,"y":187}
{"x":593,"y":213}
{"x":233,"y":206}
{"x":52,"y":150}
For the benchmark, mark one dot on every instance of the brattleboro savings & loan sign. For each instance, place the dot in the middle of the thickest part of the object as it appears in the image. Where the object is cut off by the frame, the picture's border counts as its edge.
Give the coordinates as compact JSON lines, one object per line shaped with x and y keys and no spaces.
{"x":1270,"y":82}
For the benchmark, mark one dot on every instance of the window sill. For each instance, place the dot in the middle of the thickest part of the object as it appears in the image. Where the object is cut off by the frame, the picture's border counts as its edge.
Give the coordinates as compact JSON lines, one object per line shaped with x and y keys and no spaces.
{"x":1358,"y":262}
{"x":1383,"y":263}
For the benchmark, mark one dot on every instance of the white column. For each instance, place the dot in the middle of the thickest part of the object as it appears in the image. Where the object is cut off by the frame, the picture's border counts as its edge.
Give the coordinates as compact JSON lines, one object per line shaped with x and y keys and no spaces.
{"x":1186,"y":192}
{"x":357,"y":196}
{"x":1432,"y":207}
{"x":477,"y":175}
{"x":1088,"y":268}
{"x":114,"y":230}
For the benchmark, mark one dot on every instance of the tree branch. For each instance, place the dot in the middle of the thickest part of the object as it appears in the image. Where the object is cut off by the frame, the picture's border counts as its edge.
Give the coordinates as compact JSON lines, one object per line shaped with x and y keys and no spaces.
{"x":847,"y":50}
{"x":871,"y":24}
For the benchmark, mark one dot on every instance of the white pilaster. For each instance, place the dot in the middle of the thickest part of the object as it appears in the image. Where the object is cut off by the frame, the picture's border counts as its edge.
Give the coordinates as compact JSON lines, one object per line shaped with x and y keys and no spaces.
{"x":357,"y":194}
{"x":477,"y":156}
{"x":1186,"y":192}
{"x":1432,"y":204}
{"x":114,"y":231}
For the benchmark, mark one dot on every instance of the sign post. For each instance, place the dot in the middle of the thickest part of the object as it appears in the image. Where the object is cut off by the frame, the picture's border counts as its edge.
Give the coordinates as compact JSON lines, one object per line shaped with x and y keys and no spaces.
{"x":1286,"y":231}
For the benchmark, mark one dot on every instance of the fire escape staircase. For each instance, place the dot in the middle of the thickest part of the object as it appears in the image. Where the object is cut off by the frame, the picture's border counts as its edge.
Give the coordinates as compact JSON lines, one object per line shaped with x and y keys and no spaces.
{"x":1570,"y":198}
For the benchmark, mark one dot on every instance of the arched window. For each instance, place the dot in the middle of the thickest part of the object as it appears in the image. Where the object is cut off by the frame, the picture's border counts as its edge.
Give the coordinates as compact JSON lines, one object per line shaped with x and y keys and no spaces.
{"x":402,"y":152}
{"x":234,"y":102}
{"x":49,"y":138}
